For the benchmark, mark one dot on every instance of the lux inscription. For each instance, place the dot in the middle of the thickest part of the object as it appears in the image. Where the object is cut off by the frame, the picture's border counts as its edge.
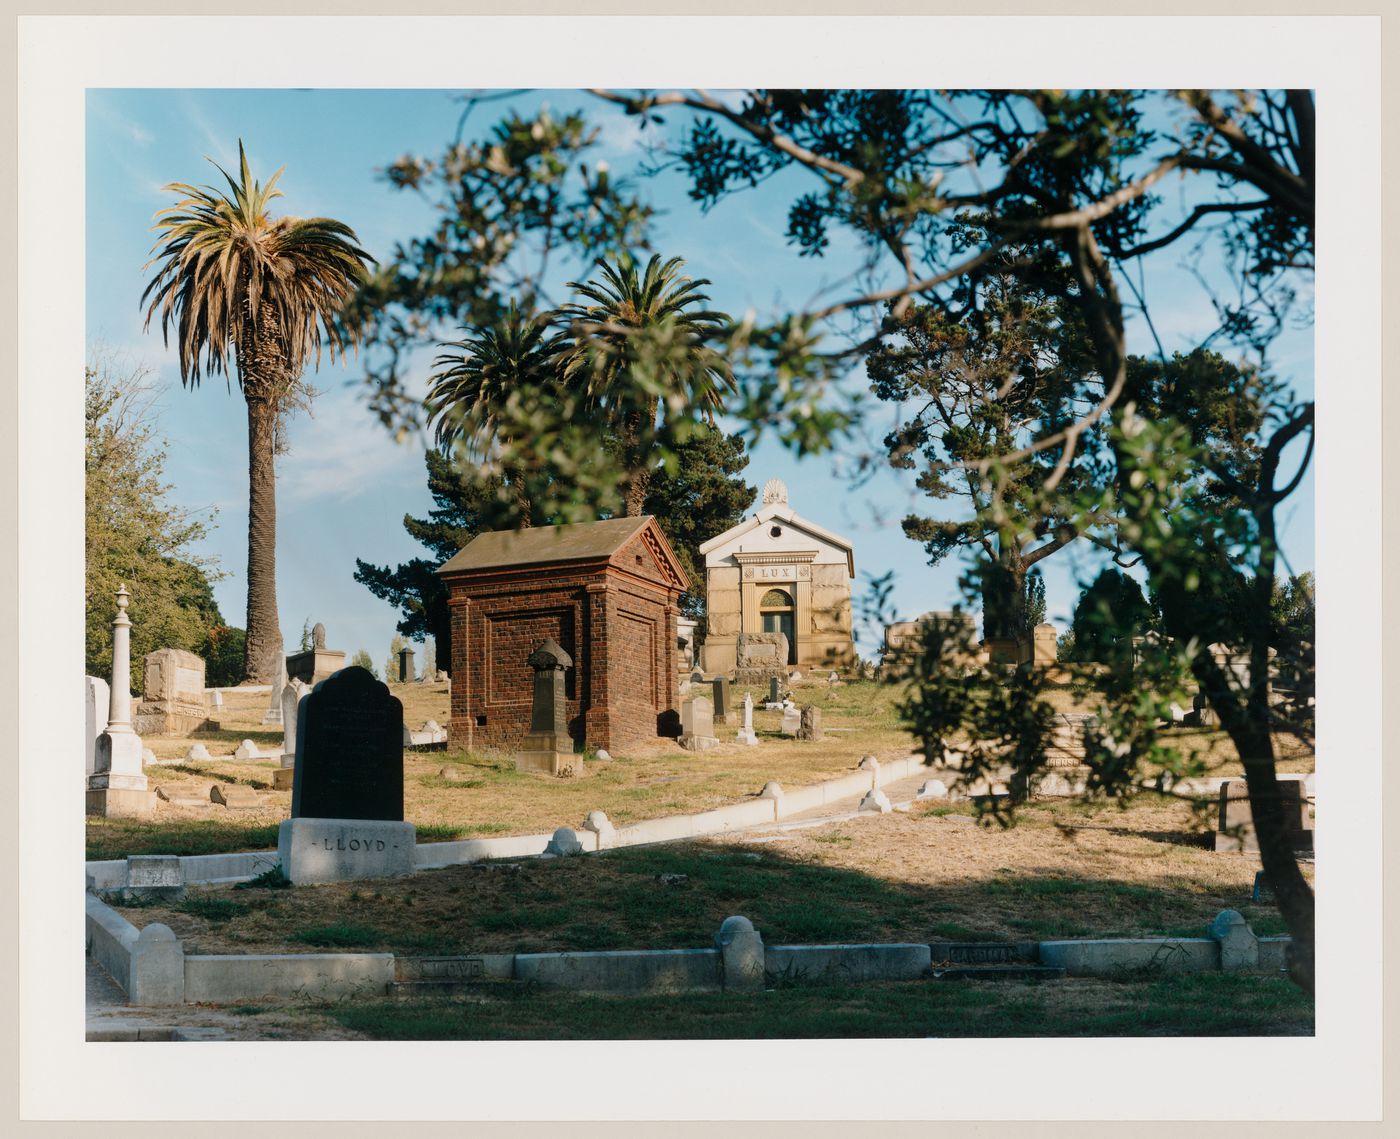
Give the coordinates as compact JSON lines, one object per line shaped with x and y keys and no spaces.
{"x":776,"y":573}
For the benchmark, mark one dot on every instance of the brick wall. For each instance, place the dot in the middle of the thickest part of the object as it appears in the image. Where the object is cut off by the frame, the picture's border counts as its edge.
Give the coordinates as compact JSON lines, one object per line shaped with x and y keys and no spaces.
{"x":616,"y":619}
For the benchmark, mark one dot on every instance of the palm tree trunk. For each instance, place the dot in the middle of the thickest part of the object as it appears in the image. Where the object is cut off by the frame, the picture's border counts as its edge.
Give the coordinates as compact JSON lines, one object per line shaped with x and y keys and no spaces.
{"x":264,"y":640}
{"x":634,"y":493}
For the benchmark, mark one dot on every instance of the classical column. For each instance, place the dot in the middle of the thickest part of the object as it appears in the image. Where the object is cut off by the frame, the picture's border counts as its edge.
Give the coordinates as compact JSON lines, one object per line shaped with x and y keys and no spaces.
{"x":117,"y":785}
{"x":119,"y":706}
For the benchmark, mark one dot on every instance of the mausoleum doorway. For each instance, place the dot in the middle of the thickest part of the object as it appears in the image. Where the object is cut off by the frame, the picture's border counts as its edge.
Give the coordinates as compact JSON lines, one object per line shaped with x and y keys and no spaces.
{"x":776,"y":612}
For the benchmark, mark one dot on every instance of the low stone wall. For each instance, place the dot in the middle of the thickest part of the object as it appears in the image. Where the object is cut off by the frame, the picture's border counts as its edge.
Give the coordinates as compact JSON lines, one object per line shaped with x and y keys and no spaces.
{"x":151,"y":966}
{"x":224,"y":978}
{"x":848,"y":963}
{"x":624,"y":971}
{"x":1106,"y":957}
{"x":110,"y":939}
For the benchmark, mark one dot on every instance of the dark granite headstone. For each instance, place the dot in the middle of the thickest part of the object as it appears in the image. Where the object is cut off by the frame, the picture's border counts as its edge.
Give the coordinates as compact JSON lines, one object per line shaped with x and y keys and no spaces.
{"x":720,"y":687}
{"x":349,"y":759}
{"x":774,"y":690}
{"x":405,"y":665}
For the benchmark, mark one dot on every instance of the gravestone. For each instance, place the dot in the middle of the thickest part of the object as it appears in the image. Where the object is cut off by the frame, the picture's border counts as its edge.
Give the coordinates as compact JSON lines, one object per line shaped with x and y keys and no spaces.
{"x":198,"y":751}
{"x":317,"y":663}
{"x":1067,"y":747}
{"x":216,"y":698}
{"x":697,"y":725}
{"x":792,"y":720}
{"x":405,"y":665}
{"x":292,"y":693}
{"x":273,"y":715}
{"x":548,"y":748}
{"x":97,"y":699}
{"x":760,"y":656}
{"x":248,"y":750}
{"x":1235,"y":831}
{"x":235,"y":796}
{"x":720,"y":687}
{"x":775,"y":690}
{"x":347,"y":790}
{"x":810,"y":723}
{"x":117,"y":787}
{"x":746,"y":733}
{"x":349,"y":751}
{"x":1044,"y":650}
{"x":173,"y":702}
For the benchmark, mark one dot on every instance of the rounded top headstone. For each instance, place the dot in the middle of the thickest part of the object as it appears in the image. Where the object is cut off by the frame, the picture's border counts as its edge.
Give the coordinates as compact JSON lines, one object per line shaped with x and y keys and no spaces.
{"x":596,"y":821}
{"x":775,"y":490}
{"x":869,"y":762}
{"x":731,"y":926}
{"x":1226,"y":920}
{"x":602,"y":753}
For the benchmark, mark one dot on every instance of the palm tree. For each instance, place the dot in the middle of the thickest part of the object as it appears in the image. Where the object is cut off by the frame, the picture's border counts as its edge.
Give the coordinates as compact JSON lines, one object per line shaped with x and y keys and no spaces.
{"x":514,"y":358}
{"x":232,"y":278}
{"x":640,"y":341}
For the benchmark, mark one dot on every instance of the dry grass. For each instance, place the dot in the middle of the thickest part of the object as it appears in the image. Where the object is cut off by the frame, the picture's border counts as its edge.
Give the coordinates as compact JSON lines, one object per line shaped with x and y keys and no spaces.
{"x":1065,"y":870}
{"x":482,"y":794}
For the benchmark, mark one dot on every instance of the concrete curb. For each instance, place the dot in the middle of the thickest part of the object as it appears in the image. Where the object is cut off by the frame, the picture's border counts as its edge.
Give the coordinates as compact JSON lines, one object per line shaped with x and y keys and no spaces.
{"x":208,"y":869}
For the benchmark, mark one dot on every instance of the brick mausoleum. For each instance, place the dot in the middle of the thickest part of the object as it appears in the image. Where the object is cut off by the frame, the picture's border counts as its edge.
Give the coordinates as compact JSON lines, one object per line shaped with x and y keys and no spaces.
{"x":605,"y":591}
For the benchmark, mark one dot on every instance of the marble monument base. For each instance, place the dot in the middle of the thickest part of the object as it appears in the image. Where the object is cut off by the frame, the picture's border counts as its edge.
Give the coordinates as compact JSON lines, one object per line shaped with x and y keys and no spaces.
{"x":344,"y":850}
{"x":548,"y":754}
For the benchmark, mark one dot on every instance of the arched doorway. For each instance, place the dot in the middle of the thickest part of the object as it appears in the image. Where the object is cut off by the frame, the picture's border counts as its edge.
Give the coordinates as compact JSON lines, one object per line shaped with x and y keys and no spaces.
{"x":777,"y":614}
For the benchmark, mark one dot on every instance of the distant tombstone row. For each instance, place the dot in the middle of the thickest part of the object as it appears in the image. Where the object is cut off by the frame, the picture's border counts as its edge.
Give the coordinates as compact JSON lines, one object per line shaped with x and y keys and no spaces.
{"x":698,"y":725}
{"x":173,"y":700}
{"x":1235,"y":830}
{"x":315,"y":664}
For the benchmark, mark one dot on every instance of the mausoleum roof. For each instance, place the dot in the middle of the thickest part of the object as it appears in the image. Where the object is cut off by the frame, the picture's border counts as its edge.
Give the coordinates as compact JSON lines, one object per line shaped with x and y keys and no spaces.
{"x":546,"y":545}
{"x":777,"y":508}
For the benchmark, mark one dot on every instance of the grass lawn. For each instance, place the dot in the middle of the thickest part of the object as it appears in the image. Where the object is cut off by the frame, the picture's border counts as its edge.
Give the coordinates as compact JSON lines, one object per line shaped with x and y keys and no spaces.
{"x":1065,"y":870}
{"x":482,"y":794}
{"x":1190,"y":1004}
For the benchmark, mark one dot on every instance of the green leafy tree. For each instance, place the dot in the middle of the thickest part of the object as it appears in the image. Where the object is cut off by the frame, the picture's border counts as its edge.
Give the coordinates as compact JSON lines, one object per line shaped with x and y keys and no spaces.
{"x":231,"y":280}
{"x":1035,"y":601}
{"x":979,"y":380}
{"x":1109,"y":613}
{"x":639,"y":343}
{"x":414,"y":588}
{"x":223,"y":657}
{"x":361,"y":659}
{"x":509,"y":206}
{"x":1075,"y":177}
{"x":134,"y":534}
{"x":705,"y":497}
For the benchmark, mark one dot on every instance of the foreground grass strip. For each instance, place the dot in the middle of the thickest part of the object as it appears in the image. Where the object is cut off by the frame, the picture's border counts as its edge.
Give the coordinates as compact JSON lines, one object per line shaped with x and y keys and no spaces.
{"x":1202,"y":1004}
{"x":901,"y":878}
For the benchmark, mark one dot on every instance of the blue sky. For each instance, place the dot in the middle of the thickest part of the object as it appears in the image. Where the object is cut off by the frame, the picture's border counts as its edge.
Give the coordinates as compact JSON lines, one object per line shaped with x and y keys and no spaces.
{"x":345,"y":484}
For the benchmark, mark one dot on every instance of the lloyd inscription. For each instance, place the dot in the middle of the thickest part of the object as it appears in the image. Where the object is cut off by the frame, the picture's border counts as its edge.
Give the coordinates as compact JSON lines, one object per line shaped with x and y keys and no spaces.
{"x":342,"y":843}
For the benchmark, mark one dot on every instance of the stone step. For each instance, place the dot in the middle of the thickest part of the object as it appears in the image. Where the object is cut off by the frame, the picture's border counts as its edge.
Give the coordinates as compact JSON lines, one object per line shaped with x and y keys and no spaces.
{"x":119,"y":1031}
{"x":1000,"y":973}
{"x":985,"y":952}
{"x":416,"y":990}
